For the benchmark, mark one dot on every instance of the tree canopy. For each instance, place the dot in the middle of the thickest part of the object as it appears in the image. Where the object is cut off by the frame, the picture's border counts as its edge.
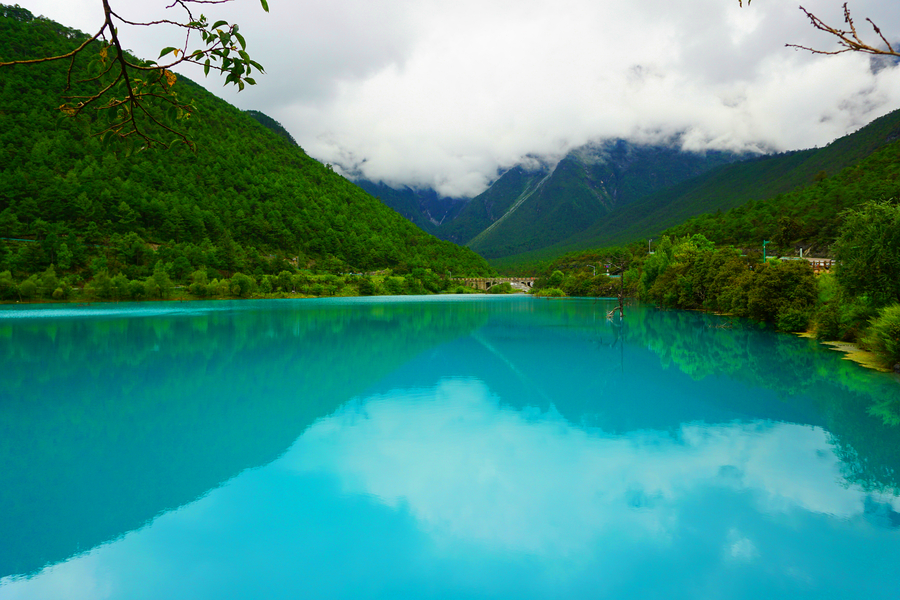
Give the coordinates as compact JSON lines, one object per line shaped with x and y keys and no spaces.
{"x":131,"y":99}
{"x":868,"y":252}
{"x":250,"y":201}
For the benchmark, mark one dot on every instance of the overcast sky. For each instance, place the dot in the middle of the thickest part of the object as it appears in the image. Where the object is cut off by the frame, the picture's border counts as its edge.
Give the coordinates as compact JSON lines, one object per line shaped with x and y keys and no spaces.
{"x":432,"y":93}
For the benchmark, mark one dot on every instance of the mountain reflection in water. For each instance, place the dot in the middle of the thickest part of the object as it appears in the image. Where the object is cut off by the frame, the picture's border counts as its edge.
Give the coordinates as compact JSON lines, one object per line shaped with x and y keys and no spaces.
{"x":488,"y":447}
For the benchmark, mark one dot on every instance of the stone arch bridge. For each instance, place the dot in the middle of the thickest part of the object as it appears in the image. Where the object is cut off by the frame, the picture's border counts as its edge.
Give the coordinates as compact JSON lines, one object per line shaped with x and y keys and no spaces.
{"x":486,"y":283}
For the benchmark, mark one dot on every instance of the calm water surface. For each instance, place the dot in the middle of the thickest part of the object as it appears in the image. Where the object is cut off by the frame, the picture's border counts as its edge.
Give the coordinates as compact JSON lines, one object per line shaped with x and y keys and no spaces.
{"x":469,"y":447}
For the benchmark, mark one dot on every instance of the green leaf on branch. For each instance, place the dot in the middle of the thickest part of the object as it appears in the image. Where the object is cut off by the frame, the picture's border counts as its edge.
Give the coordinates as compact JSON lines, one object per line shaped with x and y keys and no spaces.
{"x":106,"y":140}
{"x":133,"y":99}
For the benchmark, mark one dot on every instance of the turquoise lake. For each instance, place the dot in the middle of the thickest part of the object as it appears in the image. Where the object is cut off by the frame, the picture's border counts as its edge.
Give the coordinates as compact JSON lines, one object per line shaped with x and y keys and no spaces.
{"x":438,"y":447}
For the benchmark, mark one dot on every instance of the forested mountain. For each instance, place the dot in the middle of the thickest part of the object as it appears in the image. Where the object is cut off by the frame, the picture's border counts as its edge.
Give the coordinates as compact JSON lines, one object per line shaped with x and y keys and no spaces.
{"x":733,"y":185}
{"x":583,"y":188}
{"x":267,"y":121}
{"x":248,"y":200}
{"x":808,"y":217}
{"x":488,"y":208}
{"x":425,"y":208}
{"x":541,"y":203}
{"x":808,"y":185}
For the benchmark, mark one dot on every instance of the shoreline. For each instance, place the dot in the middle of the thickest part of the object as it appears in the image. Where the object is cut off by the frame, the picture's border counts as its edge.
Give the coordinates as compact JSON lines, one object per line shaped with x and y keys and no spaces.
{"x":851,"y":352}
{"x":275,"y":296}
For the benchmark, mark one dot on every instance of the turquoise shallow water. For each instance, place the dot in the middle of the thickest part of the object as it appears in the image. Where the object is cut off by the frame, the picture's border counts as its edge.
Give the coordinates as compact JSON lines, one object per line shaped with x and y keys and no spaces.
{"x":437,"y":447}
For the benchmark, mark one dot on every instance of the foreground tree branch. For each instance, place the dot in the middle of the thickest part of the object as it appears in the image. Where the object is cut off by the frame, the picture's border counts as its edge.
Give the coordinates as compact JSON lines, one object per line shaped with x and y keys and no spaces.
{"x":848,"y":39}
{"x":134,"y":100}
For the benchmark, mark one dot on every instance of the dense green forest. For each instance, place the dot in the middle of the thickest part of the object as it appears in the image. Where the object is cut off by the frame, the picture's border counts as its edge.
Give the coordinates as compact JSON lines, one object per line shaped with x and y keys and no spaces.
{"x":851,"y":169}
{"x":425,"y":208}
{"x":248,"y":201}
{"x":715,"y":261}
{"x":858,"y":302}
{"x":809,"y":217}
{"x":530,"y":208}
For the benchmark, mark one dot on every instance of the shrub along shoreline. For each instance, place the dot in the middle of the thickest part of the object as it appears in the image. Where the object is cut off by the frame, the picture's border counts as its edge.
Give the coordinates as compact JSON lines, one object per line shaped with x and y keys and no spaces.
{"x":47,"y":287}
{"x":857,"y":304}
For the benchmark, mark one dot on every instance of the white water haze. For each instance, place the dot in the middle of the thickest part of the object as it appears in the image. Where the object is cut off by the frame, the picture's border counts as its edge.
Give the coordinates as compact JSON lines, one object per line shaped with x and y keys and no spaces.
{"x":445,"y":94}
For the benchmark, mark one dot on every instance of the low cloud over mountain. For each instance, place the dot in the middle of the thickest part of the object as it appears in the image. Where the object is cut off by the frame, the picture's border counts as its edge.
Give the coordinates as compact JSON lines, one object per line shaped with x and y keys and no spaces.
{"x":444,"y":95}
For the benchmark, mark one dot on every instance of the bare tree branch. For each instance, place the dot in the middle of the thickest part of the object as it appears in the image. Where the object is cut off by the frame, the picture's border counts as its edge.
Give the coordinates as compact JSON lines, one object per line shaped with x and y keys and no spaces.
{"x":848,"y":39}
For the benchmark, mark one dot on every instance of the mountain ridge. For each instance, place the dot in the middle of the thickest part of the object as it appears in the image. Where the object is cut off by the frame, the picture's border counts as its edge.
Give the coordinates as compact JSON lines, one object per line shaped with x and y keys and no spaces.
{"x":541,"y":231}
{"x":541,"y":202}
{"x":249,"y":200}
{"x":733,"y":185}
{"x":597,"y":180}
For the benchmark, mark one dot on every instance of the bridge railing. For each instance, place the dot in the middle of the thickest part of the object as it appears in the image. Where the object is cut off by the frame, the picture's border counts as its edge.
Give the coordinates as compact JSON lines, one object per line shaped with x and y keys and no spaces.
{"x":485,"y":283}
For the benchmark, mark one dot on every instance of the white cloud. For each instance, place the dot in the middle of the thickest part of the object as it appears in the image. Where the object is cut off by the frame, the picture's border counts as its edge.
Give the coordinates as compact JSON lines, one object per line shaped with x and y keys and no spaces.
{"x":442,"y":94}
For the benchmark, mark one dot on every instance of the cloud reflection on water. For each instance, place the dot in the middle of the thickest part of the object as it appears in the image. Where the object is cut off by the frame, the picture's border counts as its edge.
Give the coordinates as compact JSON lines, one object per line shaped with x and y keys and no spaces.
{"x":446,"y":484}
{"x":466,"y":467}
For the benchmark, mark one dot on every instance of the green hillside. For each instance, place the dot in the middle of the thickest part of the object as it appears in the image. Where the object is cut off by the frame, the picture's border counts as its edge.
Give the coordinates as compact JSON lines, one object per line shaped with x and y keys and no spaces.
{"x":513,"y":187}
{"x":530,"y":209}
{"x":270,"y":123}
{"x":426,"y":208}
{"x":560,"y":205}
{"x":809,"y":217}
{"x":733,"y":185}
{"x":248,"y":200}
